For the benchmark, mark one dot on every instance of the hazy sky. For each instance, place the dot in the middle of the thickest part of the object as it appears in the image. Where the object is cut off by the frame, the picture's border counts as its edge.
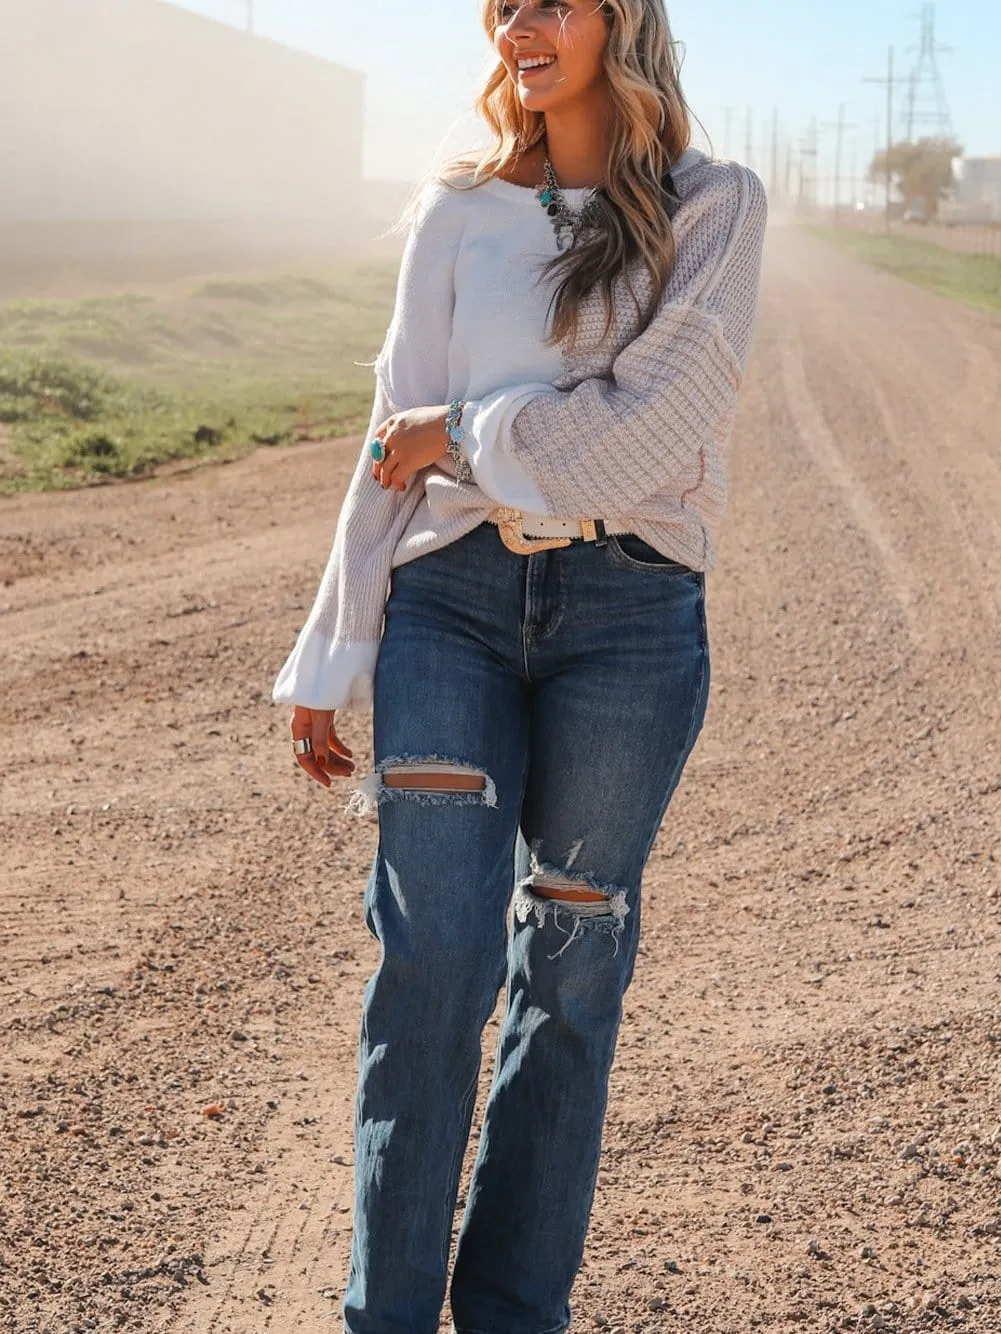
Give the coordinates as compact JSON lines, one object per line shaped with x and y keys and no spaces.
{"x":425,"y":62}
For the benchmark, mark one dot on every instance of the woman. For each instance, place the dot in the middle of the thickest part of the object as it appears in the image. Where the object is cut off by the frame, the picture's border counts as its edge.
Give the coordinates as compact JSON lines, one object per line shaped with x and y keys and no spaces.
{"x":538,"y":494}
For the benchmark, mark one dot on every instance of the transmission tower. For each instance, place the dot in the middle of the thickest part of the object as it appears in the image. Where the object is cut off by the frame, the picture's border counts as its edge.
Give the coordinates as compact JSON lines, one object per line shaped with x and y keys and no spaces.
{"x":926,"y":109}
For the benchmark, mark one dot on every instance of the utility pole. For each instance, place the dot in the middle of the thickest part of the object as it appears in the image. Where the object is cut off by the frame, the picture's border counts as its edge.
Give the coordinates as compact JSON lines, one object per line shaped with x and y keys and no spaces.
{"x":727,"y":127}
{"x":775,"y":154}
{"x":877,"y":138}
{"x":809,"y":153}
{"x":749,"y":146}
{"x":788,"y":187}
{"x":888,"y":83}
{"x":853,"y":173}
{"x":839,"y":126}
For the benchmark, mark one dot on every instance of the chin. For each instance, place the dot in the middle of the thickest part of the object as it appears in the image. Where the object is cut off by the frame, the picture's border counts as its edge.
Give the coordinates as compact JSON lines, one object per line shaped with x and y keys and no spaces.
{"x":540,"y":102}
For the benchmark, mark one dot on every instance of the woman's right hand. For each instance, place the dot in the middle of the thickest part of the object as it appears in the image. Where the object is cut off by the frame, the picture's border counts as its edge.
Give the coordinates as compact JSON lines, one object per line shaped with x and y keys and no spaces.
{"x":331,"y":758}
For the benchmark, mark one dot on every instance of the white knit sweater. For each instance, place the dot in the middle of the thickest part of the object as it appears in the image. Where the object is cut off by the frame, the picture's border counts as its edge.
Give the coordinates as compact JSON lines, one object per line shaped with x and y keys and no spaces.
{"x":625,"y":428}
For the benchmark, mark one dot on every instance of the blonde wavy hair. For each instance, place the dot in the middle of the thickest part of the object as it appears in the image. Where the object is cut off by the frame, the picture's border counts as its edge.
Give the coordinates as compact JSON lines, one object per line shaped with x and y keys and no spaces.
{"x":650,"y":131}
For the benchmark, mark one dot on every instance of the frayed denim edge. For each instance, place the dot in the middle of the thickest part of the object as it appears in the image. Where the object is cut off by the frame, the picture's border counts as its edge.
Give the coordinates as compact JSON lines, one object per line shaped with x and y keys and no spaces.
{"x":371,"y":792}
{"x":607,"y":919}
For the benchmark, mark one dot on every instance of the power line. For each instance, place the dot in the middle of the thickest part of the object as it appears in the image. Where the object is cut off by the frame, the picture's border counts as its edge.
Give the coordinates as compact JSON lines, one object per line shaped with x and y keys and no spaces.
{"x":889,"y":83}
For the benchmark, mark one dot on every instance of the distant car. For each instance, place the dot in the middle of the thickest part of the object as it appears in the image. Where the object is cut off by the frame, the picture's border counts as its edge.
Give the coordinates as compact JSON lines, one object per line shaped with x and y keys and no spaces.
{"x":915,"y":212}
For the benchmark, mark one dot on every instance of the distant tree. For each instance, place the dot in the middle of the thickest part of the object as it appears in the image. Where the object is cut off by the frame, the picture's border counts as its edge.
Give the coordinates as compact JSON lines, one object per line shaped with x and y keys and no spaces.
{"x":922,"y":172}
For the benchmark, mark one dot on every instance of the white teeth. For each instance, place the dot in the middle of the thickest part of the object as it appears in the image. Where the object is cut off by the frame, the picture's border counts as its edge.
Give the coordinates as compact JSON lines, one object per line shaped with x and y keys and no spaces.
{"x":535,"y":62}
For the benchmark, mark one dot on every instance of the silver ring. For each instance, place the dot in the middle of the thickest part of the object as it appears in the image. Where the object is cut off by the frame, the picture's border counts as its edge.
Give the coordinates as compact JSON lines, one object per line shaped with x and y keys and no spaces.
{"x":303,"y":747}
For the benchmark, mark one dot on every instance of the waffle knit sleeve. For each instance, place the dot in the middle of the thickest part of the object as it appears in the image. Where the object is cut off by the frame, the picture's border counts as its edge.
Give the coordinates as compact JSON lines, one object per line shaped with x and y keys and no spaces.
{"x":656,"y":426}
{"x":332,"y":665}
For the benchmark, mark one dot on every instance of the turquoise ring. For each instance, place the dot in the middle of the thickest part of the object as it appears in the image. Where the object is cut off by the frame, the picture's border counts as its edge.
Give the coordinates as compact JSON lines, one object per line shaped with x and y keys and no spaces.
{"x":378,"y":450}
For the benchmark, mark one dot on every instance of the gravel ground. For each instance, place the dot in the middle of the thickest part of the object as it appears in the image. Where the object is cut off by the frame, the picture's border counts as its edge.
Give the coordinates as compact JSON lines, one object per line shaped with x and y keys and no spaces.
{"x":805,"y":1122}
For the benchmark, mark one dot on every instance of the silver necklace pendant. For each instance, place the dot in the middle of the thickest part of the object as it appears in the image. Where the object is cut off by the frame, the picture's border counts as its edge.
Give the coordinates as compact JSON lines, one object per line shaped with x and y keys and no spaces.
{"x":566,"y":223}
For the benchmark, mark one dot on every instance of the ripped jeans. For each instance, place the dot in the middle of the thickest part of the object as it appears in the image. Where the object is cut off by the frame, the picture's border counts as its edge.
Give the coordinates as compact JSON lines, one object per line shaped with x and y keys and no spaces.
{"x":568,"y":687}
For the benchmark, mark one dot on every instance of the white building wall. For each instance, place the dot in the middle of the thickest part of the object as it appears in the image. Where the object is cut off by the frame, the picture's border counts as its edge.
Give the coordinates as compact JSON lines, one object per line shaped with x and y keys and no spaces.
{"x":980,"y":182}
{"x":134,"y":110}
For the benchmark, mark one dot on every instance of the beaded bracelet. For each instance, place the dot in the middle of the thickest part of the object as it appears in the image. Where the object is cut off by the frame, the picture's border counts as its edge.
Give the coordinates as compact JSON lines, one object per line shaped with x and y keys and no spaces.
{"x":455,"y":436}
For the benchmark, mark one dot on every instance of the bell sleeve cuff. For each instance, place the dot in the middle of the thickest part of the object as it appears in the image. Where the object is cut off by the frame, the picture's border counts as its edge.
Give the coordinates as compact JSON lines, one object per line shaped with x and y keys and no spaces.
{"x":321,"y":673}
{"x":487,"y":424}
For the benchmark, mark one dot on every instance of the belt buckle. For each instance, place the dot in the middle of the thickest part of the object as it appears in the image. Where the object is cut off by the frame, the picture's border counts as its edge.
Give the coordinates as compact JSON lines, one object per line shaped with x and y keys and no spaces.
{"x":509,"y":524}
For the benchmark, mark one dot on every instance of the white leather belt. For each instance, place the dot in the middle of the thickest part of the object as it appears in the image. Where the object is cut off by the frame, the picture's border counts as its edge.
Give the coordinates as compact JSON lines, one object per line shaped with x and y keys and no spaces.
{"x":539,"y":525}
{"x":526,"y":533}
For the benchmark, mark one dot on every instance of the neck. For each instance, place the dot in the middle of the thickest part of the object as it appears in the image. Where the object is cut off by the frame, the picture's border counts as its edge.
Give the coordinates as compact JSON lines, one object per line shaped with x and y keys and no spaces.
{"x":578,"y":144}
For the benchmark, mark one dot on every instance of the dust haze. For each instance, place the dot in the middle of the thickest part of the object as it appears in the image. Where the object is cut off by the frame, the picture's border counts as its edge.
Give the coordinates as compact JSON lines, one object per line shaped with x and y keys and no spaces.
{"x":142,"y":142}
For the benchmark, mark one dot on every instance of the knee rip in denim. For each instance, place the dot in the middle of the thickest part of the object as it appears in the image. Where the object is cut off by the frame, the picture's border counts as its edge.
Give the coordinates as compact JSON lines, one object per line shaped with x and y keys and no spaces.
{"x":427,"y":780}
{"x":562,"y":896}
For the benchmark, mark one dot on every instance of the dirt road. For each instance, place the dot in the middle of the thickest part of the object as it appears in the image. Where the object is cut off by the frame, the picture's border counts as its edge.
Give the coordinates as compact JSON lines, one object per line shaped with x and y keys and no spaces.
{"x":805,"y":1126}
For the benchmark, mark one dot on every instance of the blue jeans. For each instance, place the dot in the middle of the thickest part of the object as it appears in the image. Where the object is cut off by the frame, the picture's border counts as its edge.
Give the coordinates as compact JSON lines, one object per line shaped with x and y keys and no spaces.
{"x":572,"y":684}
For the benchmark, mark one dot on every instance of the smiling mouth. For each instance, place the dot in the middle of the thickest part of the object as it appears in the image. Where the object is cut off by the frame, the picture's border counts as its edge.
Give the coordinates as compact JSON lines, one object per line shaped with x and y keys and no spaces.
{"x":525,"y":70}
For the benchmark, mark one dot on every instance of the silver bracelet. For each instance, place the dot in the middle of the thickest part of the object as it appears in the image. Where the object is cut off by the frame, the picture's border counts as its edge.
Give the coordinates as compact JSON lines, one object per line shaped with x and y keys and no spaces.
{"x":454,"y":438}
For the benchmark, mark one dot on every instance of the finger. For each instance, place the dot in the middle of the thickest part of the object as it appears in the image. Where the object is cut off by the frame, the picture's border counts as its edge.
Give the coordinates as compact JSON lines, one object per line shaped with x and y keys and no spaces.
{"x":318,"y":735}
{"x":300,"y":724}
{"x":324,"y":776}
{"x":338,"y":746}
{"x":337,"y":768}
{"x":377,"y":466}
{"x":324,"y":772}
{"x":380,"y":436}
{"x":389,"y":465}
{"x":402,"y":474}
{"x":309,"y":766}
{"x":398,"y":472}
{"x":332,"y":762}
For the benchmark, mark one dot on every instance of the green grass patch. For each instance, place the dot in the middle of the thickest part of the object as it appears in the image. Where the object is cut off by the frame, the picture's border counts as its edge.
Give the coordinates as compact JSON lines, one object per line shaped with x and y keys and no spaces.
{"x":112,"y":386}
{"x":975,"y":279}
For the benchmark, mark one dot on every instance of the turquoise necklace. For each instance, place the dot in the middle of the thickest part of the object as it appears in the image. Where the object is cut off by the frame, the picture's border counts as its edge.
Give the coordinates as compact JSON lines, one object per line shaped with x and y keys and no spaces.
{"x":568,"y":223}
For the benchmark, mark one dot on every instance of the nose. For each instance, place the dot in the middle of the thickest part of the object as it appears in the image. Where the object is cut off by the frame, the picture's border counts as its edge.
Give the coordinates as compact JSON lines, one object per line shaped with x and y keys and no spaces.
{"x":521,"y":25}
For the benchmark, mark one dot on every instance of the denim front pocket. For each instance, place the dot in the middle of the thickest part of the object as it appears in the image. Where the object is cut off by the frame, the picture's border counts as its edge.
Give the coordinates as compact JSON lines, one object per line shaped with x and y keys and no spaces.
{"x":629,"y":550}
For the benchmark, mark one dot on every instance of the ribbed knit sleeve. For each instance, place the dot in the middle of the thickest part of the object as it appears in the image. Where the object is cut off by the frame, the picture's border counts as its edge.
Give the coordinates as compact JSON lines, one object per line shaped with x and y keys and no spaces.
{"x":656,"y":425}
{"x":333,"y":662}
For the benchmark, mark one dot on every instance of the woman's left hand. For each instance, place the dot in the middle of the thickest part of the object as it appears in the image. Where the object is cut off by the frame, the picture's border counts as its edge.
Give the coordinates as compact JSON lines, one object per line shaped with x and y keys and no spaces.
{"x":413,"y":440}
